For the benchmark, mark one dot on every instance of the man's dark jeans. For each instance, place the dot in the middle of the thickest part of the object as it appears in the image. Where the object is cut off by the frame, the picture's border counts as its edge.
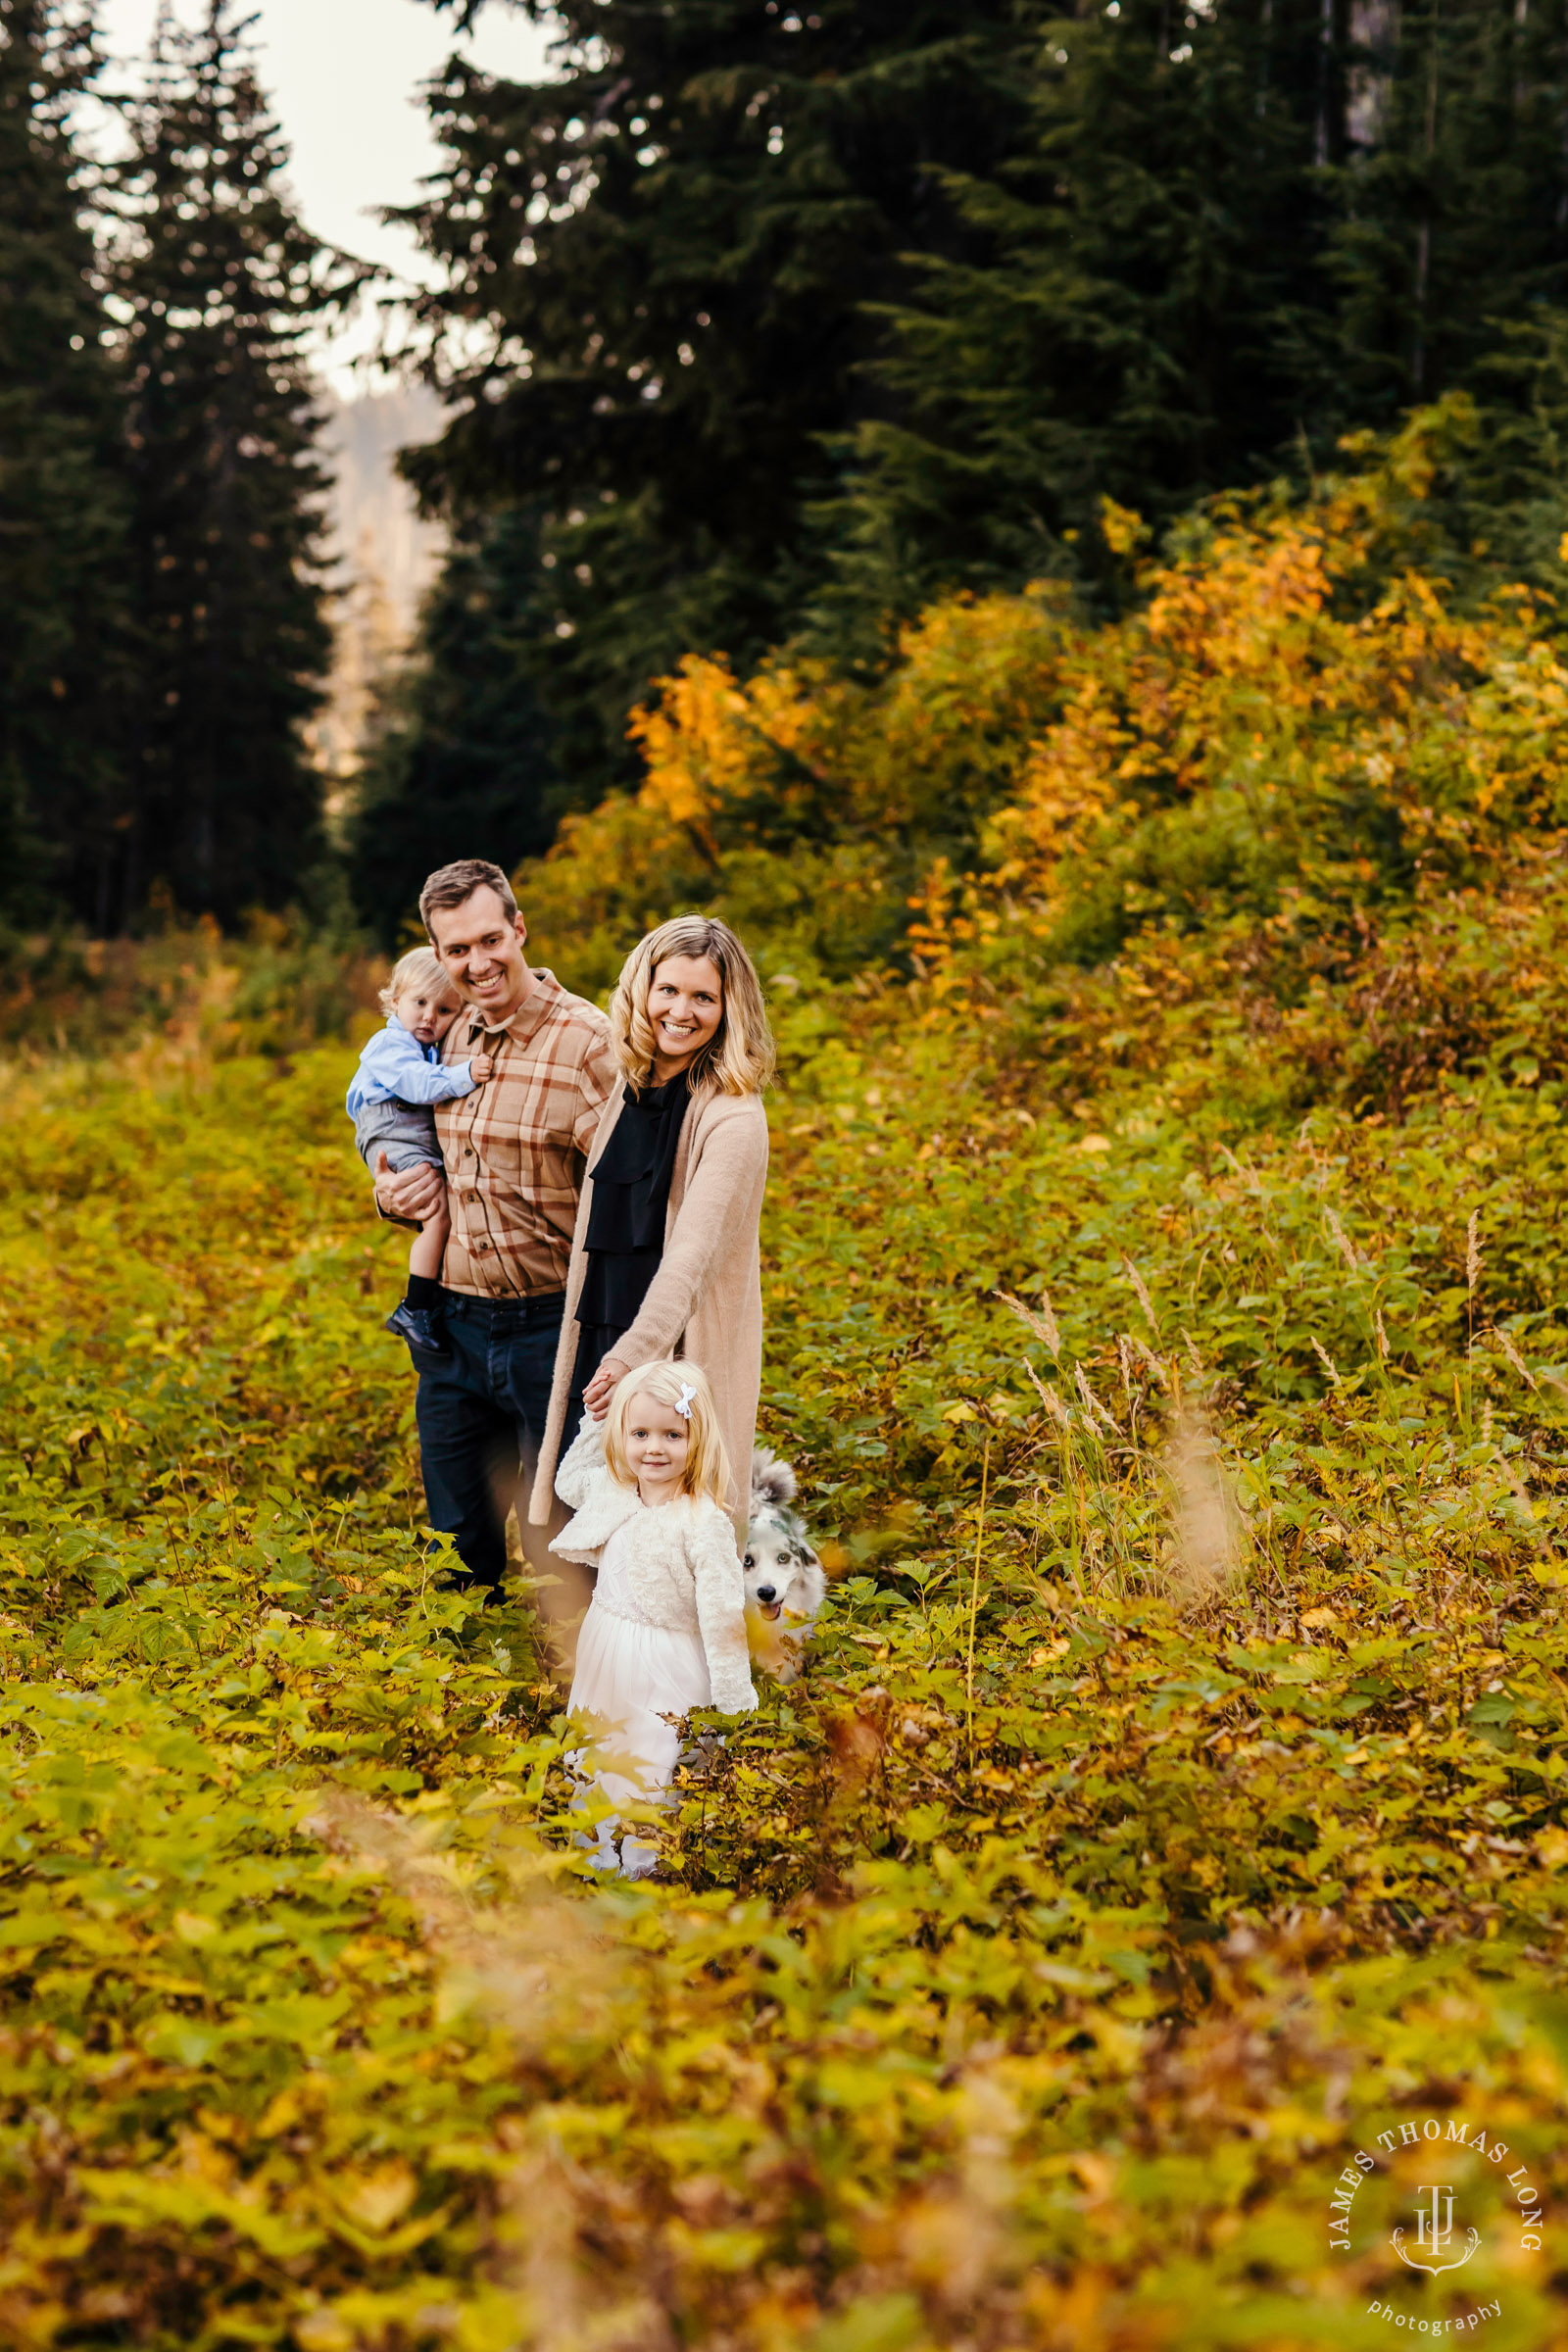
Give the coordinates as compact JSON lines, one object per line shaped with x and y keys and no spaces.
{"x":482,"y":1418}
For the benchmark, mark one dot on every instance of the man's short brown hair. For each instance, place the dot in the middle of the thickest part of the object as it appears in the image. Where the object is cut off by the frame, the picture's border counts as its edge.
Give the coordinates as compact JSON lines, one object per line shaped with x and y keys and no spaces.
{"x":454,"y":885}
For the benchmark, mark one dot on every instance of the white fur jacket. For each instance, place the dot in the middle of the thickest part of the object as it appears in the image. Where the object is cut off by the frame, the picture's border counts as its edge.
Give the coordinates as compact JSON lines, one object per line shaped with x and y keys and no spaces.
{"x":683,"y":1565}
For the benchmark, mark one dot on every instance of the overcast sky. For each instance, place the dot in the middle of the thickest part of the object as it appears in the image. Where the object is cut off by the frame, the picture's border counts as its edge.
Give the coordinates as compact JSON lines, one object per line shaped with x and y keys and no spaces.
{"x":345,"y":76}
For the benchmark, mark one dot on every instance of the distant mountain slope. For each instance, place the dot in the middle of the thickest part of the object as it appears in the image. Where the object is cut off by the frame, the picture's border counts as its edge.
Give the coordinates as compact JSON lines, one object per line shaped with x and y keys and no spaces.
{"x":386,"y":556}
{"x":375,"y":524}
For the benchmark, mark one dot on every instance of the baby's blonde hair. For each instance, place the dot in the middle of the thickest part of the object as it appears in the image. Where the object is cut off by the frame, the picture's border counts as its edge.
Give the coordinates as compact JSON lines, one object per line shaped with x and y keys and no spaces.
{"x":666,"y":1381}
{"x":419,"y":969}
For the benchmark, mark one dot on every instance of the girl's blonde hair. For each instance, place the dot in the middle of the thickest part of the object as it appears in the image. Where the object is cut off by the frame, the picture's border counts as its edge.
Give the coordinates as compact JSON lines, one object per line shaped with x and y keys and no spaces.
{"x":419,"y":969}
{"x":670,"y":1382}
{"x":737,"y":1059}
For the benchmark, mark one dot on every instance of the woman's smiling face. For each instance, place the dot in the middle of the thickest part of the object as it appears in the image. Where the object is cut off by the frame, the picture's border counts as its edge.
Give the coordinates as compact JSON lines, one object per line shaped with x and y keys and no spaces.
{"x":685,"y":1005}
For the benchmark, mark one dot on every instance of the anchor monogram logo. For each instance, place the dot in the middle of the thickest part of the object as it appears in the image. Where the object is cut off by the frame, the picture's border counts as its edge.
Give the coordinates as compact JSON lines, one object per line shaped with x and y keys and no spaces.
{"x":1434,"y":2234}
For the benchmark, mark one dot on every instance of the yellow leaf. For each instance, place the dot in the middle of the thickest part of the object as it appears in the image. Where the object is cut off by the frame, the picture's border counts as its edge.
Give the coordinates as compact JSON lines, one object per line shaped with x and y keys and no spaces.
{"x":375,"y":2200}
{"x":192,"y":1928}
{"x":321,"y":2330}
{"x":282,"y":2111}
{"x":1124,"y":530}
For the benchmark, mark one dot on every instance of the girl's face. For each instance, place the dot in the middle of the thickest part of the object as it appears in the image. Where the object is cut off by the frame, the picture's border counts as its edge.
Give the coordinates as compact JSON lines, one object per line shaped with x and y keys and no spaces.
{"x":685,"y":1005}
{"x":427,"y":1013}
{"x":658,"y":1440}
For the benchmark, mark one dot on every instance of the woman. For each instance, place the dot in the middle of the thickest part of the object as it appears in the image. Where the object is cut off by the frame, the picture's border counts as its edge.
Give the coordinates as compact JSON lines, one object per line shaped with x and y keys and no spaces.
{"x":664,"y":1258}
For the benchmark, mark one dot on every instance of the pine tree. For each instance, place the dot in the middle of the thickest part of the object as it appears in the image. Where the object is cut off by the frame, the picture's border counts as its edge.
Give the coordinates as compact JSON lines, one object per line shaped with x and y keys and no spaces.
{"x":1230,"y":241}
{"x":672,"y":247}
{"x":1451,"y":202}
{"x":63,"y":552}
{"x":460,"y":760}
{"x":220,"y":285}
{"x":785,"y":322}
{"x":1121,"y":331}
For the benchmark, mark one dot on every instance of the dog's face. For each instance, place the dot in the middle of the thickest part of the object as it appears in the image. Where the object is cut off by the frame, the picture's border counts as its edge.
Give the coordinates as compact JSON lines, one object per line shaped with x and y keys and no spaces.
{"x":778,"y":1563}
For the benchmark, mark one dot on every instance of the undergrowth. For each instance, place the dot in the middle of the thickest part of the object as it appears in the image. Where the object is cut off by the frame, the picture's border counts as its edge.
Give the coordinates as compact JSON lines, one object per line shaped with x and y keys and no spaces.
{"x":1169,"y":1340}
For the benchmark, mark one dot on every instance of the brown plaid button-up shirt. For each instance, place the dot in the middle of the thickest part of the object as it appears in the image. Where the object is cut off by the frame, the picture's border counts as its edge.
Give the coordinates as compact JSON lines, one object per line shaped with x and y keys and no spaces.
{"x":515,"y":1147}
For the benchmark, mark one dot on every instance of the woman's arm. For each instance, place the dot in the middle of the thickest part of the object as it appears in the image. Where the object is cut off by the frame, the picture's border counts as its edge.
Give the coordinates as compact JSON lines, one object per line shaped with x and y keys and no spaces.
{"x":725,"y":1191}
{"x":721,"y":1611}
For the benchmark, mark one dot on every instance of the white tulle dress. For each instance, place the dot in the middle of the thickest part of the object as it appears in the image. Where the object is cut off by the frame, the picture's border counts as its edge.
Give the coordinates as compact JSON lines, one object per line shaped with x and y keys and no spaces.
{"x":631,"y":1675}
{"x":665,"y":1632}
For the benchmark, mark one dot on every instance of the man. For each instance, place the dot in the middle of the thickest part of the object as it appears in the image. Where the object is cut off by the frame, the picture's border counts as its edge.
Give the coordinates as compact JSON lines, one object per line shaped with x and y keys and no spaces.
{"x":515,"y":1150}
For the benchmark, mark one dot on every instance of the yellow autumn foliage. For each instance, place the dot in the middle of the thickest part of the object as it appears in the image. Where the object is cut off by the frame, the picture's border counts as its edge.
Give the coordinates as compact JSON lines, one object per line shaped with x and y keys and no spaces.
{"x":1294,"y":717}
{"x":804,"y":804}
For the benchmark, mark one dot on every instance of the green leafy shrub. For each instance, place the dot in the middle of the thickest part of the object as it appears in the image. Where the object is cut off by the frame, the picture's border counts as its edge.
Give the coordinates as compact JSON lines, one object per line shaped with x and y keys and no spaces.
{"x":1174,"y":1357}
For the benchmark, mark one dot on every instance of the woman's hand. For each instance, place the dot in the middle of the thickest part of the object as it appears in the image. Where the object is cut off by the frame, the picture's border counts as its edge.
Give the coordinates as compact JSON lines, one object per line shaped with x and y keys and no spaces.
{"x":600,"y":1389}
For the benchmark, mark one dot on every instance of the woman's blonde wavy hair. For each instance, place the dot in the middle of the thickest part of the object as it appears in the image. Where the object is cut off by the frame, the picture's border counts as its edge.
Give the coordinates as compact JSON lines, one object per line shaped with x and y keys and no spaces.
{"x":738,"y":1059}
{"x":666,"y":1381}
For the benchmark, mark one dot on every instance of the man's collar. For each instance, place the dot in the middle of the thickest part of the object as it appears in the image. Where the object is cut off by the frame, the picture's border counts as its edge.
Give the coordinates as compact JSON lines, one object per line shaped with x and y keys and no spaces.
{"x":521,"y":1024}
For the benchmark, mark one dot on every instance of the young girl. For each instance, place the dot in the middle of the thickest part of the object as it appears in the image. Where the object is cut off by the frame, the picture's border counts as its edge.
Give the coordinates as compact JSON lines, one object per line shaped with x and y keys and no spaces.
{"x":392,"y":1102}
{"x":666,"y":1629}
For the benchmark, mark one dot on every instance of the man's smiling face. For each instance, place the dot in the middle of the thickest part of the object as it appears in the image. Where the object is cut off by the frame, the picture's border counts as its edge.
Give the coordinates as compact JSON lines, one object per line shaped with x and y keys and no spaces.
{"x":481,"y":946}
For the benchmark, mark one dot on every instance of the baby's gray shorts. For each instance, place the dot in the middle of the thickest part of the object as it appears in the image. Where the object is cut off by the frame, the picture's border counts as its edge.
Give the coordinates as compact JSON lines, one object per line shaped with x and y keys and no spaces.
{"x":404,"y":1130}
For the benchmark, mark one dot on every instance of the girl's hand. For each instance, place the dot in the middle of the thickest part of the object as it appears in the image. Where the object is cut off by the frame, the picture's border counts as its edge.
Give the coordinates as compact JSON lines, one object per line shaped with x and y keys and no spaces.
{"x":600,"y":1389}
{"x":480,"y":1067}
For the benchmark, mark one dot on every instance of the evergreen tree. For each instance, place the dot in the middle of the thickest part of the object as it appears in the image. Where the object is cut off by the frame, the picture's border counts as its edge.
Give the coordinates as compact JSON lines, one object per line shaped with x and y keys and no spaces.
{"x":1450,"y":229}
{"x":784,"y":322}
{"x":63,"y":553}
{"x":460,"y":763}
{"x":1116,"y":331}
{"x":673,"y":246}
{"x":1229,"y":241}
{"x":220,"y":285}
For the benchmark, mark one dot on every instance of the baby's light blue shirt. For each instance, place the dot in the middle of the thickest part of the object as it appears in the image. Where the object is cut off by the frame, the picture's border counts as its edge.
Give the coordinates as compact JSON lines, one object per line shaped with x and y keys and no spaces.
{"x":394,"y":1063}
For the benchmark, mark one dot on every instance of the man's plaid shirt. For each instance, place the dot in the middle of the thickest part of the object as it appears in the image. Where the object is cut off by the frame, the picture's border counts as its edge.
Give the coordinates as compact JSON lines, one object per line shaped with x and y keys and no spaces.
{"x":515,"y":1147}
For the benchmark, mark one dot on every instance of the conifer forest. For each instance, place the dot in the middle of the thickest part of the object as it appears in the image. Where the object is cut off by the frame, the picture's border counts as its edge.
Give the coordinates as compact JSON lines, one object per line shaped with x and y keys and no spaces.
{"x":1055,"y":525}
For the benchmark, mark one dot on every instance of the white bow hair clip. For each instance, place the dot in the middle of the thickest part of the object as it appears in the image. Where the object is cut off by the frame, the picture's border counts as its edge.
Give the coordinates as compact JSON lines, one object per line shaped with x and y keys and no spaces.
{"x":683,"y":1403}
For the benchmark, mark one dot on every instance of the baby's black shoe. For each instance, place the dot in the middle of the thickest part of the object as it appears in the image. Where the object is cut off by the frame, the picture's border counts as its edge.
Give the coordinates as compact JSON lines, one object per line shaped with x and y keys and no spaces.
{"x":422,"y":1329}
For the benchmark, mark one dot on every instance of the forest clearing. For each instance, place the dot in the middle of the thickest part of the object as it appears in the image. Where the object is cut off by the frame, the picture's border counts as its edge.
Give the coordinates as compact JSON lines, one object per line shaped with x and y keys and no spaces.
{"x":1163,"y":1299}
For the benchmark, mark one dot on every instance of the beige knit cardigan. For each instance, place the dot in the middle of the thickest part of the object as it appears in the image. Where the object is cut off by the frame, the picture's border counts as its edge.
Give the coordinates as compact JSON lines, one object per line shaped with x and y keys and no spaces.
{"x":706,"y":1301}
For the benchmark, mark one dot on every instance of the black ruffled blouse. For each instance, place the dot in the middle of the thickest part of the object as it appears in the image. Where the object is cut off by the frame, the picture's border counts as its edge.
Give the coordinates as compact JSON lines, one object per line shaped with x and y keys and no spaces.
{"x":626,"y":1237}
